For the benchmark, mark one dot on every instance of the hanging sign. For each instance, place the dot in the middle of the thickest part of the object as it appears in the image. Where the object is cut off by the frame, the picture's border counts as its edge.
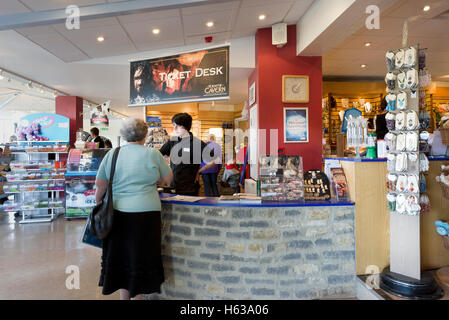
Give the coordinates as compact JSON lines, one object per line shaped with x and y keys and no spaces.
{"x":194,"y":76}
{"x":316,"y":185}
{"x":99,"y":115}
{"x":43,"y":126}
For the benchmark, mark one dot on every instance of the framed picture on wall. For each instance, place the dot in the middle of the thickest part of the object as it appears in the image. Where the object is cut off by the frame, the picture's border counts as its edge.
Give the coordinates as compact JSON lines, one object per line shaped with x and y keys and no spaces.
{"x":296,"y":125}
{"x":295,"y":89}
{"x":252,"y":94}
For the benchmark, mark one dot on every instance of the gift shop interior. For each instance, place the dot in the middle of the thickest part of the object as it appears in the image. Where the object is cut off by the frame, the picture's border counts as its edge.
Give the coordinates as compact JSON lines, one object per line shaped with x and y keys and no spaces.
{"x":328,"y":122}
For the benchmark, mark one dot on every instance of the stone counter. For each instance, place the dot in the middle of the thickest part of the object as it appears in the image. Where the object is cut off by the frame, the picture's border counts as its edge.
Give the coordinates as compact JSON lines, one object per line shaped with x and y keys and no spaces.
{"x":225,"y":252}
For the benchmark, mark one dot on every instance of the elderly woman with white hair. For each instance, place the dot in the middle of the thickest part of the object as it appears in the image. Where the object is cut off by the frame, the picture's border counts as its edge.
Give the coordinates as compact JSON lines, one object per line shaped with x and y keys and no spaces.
{"x":131,"y":258}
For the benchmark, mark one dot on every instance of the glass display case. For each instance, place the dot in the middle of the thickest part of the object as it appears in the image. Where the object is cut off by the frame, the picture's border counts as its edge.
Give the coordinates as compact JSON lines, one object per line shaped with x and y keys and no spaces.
{"x":82,"y":167}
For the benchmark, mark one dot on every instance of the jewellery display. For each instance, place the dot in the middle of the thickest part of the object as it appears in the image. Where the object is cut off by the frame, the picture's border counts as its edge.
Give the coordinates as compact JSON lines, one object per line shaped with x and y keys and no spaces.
{"x":405,"y":162}
{"x":402,"y":101}
{"x":390,"y":119}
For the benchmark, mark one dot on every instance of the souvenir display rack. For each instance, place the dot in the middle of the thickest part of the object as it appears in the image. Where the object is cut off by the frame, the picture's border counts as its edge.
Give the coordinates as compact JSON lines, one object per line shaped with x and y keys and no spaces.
{"x":406,"y":160}
{"x":36,"y":182}
{"x":331,"y":112}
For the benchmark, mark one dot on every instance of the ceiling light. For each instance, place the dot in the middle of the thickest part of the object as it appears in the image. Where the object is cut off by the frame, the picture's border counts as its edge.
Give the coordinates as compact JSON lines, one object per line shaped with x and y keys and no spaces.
{"x":30,"y":85}
{"x":55,"y":94}
{"x":363,"y":65}
{"x":367,"y":44}
{"x":100,"y":39}
{"x":210,"y":24}
{"x":41,"y":90}
{"x":1,"y":75}
{"x":426,"y":8}
{"x":262,"y":17}
{"x":156,"y":31}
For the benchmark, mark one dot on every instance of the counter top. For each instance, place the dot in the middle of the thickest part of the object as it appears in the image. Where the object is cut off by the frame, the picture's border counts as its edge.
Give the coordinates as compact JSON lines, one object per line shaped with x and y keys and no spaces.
{"x":431,"y":158}
{"x":213,"y":202}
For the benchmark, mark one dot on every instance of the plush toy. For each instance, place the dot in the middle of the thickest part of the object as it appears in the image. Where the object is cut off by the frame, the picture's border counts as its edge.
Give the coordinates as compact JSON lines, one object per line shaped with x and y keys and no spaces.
{"x":30,"y":133}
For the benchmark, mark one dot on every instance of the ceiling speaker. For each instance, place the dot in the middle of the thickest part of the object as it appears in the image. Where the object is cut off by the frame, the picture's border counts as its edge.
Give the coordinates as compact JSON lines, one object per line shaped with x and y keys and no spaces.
{"x":279,"y":34}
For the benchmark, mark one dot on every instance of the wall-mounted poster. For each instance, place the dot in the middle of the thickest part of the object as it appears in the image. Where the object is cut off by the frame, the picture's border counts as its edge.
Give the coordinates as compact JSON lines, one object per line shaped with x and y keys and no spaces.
{"x":154,"y":122}
{"x":296,"y":125}
{"x":252,"y":94}
{"x":193,"y":76}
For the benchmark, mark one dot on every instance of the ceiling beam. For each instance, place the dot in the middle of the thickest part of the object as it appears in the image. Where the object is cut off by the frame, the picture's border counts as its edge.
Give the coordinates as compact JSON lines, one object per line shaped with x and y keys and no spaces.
{"x":104,"y":10}
{"x":8,"y":100}
{"x":328,"y":23}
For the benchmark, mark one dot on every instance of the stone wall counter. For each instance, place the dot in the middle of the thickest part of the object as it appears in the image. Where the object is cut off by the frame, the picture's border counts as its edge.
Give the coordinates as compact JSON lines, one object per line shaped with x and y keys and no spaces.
{"x":257,"y":252}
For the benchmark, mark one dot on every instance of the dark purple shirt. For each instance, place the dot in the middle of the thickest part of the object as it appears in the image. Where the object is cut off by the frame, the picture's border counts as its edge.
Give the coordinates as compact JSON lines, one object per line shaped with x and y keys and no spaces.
{"x":217,"y":151}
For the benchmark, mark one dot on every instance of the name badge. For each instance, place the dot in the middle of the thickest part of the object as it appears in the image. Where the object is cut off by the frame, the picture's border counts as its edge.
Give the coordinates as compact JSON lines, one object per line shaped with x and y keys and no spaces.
{"x":186,"y":149}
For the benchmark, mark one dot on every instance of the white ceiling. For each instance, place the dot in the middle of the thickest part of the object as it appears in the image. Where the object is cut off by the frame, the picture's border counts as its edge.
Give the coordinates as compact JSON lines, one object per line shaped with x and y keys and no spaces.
{"x":425,"y":29}
{"x":133,"y":33}
{"x":72,"y":61}
{"x":75,"y":63}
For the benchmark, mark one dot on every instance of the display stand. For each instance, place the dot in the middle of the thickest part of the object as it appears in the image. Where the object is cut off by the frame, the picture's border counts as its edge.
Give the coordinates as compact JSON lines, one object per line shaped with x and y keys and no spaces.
{"x":404,"y":277}
{"x":32,"y":177}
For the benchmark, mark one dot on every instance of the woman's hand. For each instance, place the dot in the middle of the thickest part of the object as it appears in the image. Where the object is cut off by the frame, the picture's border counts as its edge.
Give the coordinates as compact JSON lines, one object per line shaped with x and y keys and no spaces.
{"x":102,"y":186}
{"x":197,"y":178}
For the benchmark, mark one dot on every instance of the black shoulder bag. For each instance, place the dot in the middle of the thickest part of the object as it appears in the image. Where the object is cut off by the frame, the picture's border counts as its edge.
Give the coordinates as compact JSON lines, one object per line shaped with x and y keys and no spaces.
{"x":101,"y":216}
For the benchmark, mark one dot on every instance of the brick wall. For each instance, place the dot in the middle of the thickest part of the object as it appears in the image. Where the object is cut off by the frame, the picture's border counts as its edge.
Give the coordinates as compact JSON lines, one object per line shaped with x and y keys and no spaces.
{"x":251,"y":253}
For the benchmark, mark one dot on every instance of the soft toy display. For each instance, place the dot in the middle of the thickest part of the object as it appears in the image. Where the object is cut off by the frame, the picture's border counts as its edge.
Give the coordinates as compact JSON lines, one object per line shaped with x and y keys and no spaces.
{"x":30,"y":133}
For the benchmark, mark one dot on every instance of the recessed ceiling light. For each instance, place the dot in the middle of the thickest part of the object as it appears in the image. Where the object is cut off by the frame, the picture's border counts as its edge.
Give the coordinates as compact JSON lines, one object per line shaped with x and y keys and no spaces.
{"x":156,"y":31}
{"x":367,"y":44}
{"x":363,"y":65}
{"x":262,"y":17}
{"x":100,"y":39}
{"x":426,"y":8}
{"x":210,"y":24}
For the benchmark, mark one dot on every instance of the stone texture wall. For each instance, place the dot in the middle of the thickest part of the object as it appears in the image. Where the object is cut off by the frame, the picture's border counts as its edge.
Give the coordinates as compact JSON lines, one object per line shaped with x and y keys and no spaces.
{"x":258,"y":253}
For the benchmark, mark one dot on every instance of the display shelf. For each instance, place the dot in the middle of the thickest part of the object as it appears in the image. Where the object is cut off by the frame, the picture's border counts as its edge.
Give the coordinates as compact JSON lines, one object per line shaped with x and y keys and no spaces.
{"x":32,"y":209}
{"x":39,"y":152}
{"x":36,"y":166}
{"x":25,"y":191}
{"x":34,"y":180}
{"x":331,"y":110}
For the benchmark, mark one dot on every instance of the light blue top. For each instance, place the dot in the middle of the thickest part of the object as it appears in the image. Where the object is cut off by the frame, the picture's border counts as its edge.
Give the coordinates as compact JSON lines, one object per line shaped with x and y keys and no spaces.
{"x":137,"y":171}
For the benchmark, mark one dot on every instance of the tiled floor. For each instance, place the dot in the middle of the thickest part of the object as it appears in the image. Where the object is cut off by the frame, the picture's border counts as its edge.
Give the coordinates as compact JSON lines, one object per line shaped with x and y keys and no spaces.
{"x":34,"y":258}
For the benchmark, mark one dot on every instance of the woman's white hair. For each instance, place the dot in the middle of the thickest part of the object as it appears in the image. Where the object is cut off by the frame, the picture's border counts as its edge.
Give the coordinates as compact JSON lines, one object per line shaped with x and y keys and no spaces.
{"x":133,"y":130}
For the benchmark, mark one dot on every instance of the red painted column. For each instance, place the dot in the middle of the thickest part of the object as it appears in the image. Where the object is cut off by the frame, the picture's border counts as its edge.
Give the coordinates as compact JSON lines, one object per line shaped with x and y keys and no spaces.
{"x":72,"y":108}
{"x":271,"y":64}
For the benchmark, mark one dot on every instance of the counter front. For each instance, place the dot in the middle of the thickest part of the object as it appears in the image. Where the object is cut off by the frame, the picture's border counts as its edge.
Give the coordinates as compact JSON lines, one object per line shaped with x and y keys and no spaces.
{"x":266,"y":251}
{"x":367,"y":188}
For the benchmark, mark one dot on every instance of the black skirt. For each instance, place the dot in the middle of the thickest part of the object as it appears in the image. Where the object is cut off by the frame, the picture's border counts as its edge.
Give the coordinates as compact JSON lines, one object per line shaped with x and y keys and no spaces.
{"x":131,"y":257}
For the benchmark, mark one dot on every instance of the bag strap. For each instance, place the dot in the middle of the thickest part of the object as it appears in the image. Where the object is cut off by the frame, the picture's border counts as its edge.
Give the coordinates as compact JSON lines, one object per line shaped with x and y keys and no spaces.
{"x":114,"y":162}
{"x":111,"y":178}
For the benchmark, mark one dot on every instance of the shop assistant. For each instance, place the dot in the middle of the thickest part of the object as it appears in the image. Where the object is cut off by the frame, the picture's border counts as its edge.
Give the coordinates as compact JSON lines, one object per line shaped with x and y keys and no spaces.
{"x":186,"y":154}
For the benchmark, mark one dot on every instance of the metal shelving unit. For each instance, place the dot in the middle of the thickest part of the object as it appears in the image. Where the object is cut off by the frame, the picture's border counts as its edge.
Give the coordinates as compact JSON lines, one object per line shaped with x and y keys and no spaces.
{"x":35,"y":214}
